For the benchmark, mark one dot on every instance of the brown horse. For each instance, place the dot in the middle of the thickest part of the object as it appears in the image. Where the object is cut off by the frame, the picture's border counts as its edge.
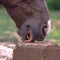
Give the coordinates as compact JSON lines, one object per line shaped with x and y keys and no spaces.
{"x":31,"y":18}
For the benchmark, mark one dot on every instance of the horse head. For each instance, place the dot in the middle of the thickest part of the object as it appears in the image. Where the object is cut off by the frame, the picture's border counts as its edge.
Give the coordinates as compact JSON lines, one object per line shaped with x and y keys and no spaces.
{"x":31,"y":18}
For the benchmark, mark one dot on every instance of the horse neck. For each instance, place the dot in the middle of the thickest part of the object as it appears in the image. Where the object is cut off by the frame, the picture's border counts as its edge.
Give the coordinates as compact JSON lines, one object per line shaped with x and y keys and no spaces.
{"x":2,"y":2}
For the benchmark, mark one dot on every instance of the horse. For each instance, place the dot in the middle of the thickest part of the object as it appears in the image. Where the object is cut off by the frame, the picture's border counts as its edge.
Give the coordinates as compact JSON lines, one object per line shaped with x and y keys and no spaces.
{"x":31,"y":18}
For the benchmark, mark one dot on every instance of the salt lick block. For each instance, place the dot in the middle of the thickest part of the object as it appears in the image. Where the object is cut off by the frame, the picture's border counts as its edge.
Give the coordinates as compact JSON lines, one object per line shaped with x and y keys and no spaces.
{"x":52,"y":53}
{"x":36,"y":51}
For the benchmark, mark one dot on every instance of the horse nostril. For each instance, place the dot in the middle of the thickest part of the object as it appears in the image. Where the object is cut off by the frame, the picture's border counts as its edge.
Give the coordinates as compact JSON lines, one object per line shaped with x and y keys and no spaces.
{"x":44,"y":29}
{"x":28,"y":26}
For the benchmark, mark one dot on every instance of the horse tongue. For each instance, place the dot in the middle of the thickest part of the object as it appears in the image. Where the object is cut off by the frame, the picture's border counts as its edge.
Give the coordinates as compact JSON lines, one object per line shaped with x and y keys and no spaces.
{"x":30,"y":38}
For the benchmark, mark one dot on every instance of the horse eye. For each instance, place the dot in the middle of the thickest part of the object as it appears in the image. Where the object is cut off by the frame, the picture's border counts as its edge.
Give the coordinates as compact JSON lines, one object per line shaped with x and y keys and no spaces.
{"x":26,"y":1}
